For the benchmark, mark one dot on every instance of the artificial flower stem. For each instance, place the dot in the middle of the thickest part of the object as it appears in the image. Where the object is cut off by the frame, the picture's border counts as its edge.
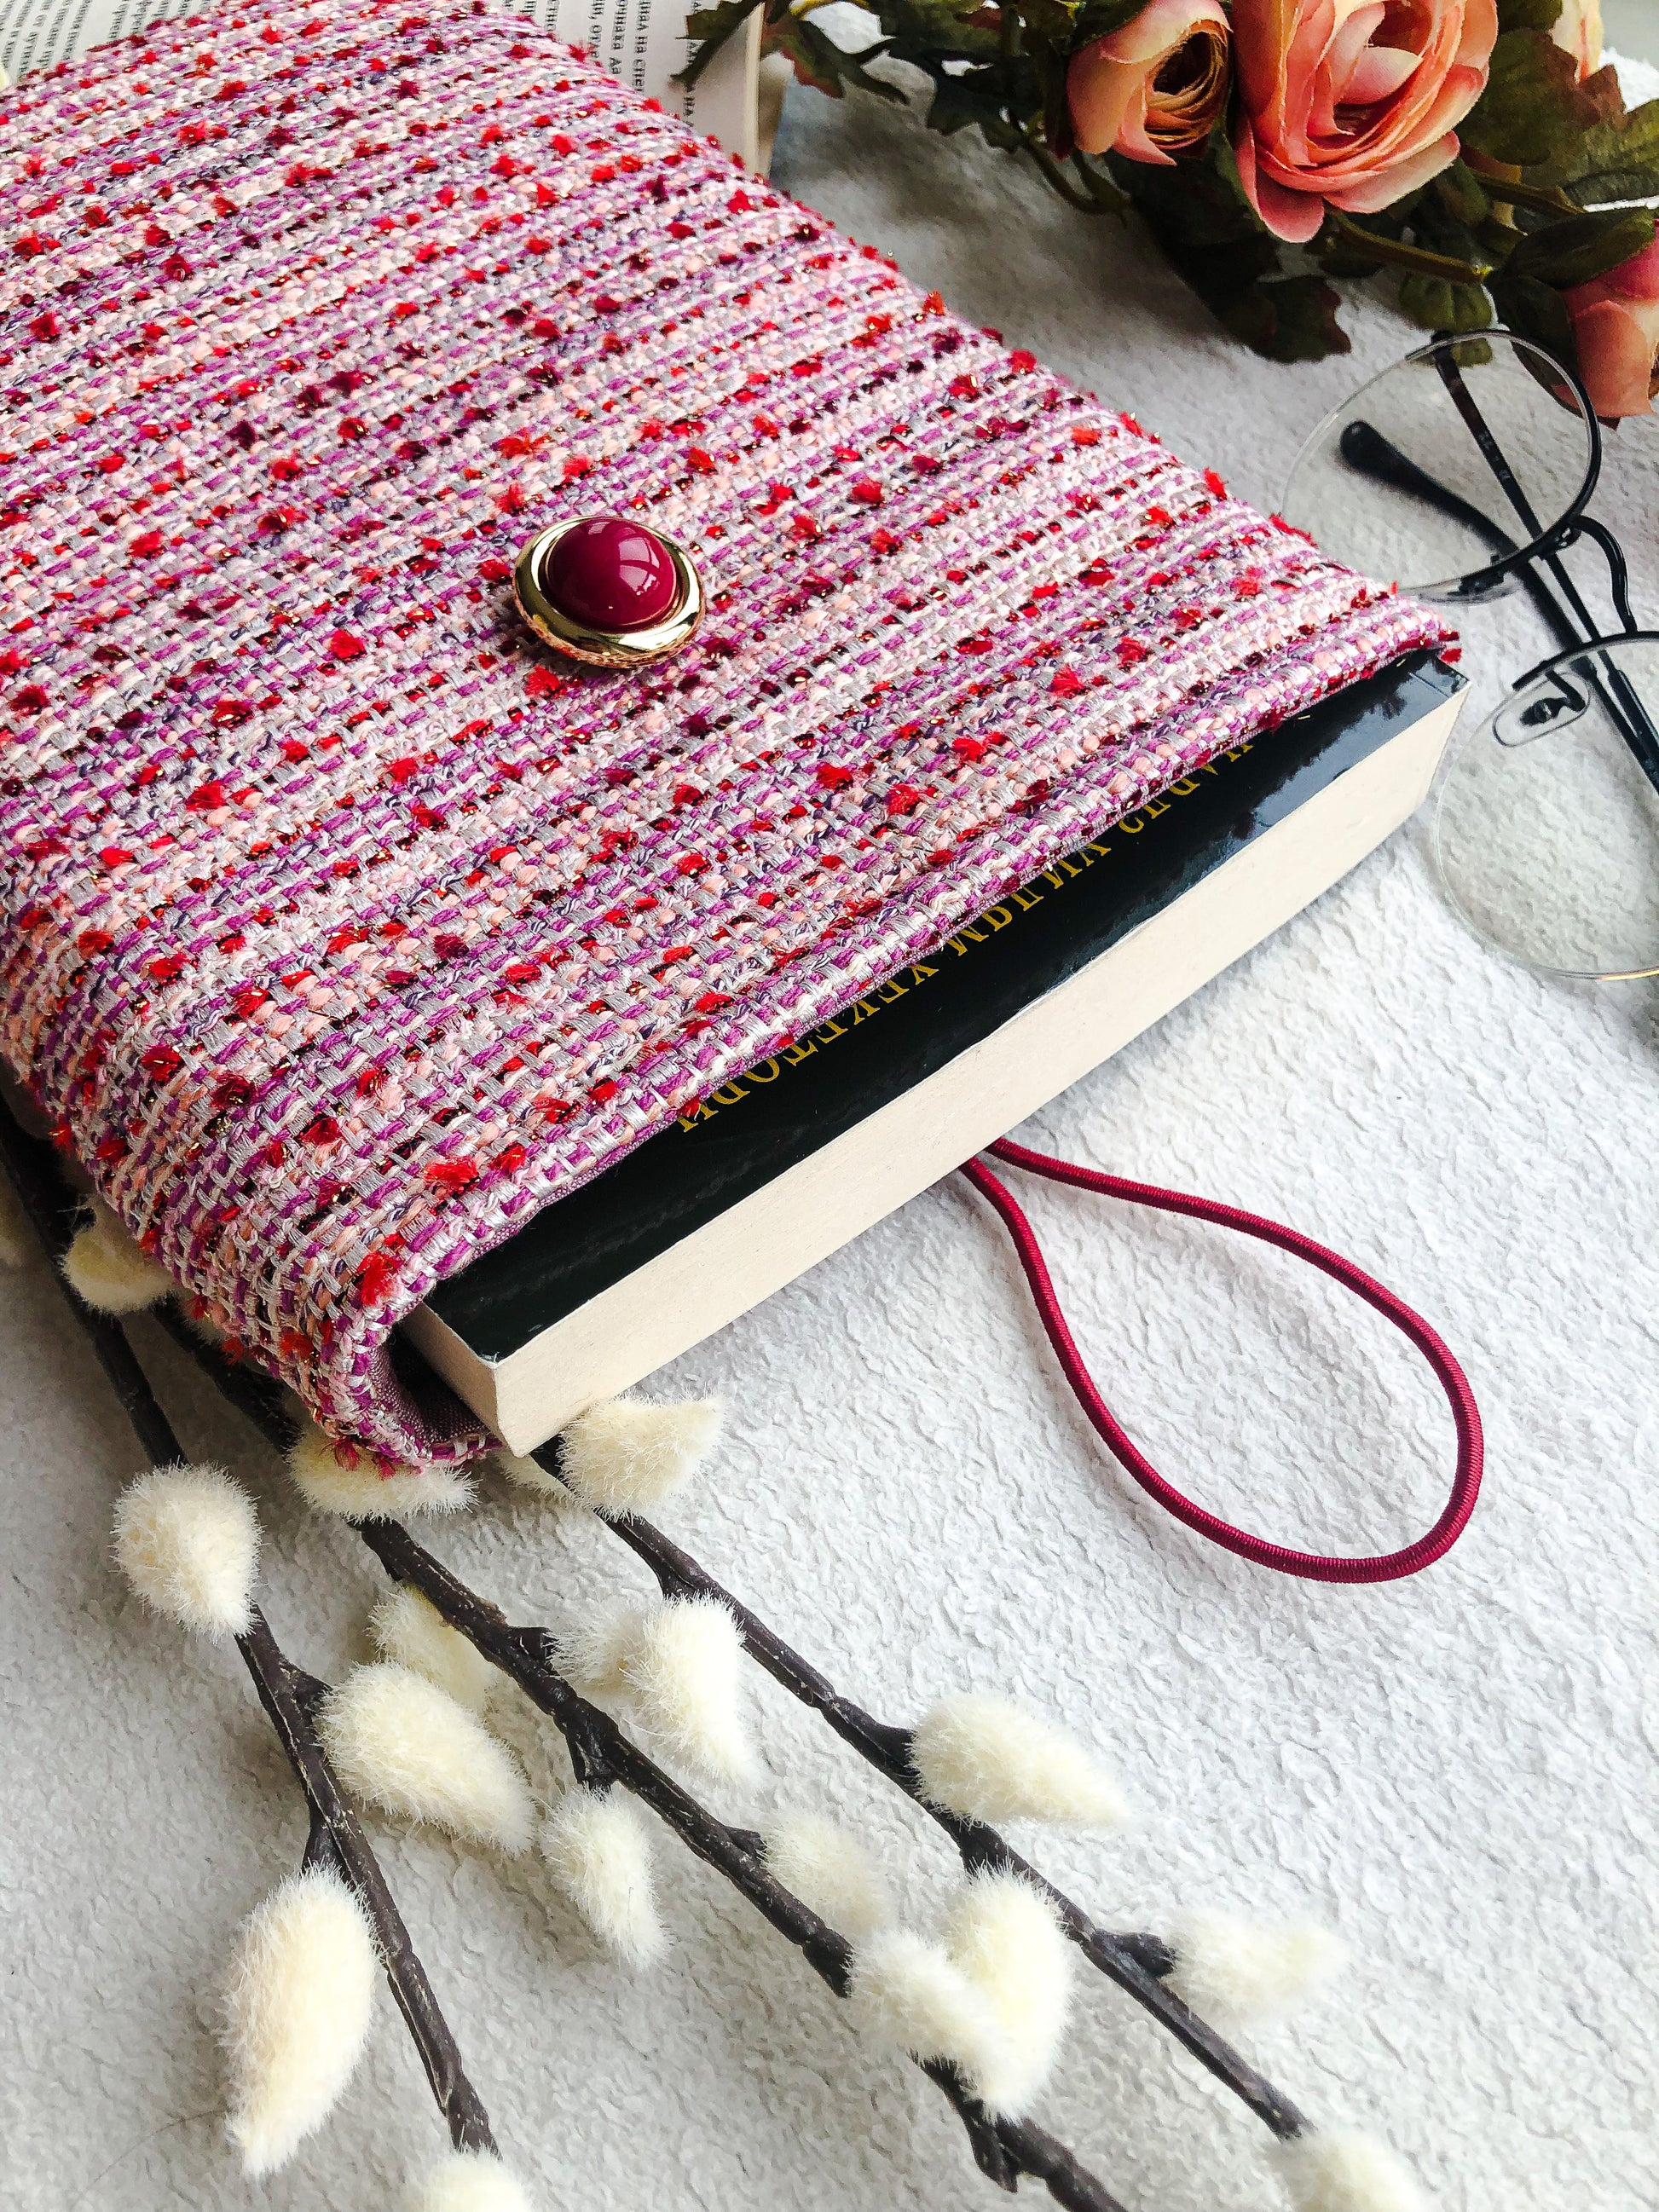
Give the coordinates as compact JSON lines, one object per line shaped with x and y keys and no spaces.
{"x":1545,"y":197}
{"x":1054,"y":174}
{"x":1399,"y":255}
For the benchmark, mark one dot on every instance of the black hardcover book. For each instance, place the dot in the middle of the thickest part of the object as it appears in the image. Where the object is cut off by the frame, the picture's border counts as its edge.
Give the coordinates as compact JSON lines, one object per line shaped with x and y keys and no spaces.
{"x":586,"y":1297}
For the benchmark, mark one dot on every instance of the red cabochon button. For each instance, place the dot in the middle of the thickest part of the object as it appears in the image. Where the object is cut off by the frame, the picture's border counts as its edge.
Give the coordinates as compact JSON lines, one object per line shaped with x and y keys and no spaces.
{"x":610,"y":574}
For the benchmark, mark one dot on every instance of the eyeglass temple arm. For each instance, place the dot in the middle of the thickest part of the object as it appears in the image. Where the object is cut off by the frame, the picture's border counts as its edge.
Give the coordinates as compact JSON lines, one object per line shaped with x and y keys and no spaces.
{"x":1365,"y":450}
{"x":1624,"y":708}
{"x":1496,"y":459}
{"x":1618,"y":570}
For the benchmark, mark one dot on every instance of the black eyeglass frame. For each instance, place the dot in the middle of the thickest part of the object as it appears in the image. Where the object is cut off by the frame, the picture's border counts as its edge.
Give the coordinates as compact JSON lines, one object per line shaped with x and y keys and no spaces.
{"x":1369,"y":453}
{"x":1547,"y":541}
{"x":1564,"y":680}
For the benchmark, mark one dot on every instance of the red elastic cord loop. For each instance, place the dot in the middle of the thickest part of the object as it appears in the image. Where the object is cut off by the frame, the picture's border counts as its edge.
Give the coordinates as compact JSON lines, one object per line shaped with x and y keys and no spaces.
{"x":1385,"y":1567}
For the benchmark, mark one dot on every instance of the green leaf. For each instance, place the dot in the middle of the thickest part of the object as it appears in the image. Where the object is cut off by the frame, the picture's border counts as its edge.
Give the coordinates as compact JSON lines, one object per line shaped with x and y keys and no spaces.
{"x":1052,"y":22}
{"x":1616,"y":160}
{"x":1581,"y":246}
{"x":712,"y":27}
{"x":1532,"y":310}
{"x":1291,"y":318}
{"x":1530,"y":112}
{"x":1441,"y":233}
{"x":1436,"y":305}
{"x":1213,"y":239}
{"x":1224,"y":162}
{"x":1528,"y":15}
{"x":1097,"y":183}
{"x":1460,"y":193}
{"x":827,"y":67}
{"x":1196,"y":204}
{"x":970,"y":98}
{"x":1609,"y":184}
{"x":925,"y":30}
{"x":1098,"y":18}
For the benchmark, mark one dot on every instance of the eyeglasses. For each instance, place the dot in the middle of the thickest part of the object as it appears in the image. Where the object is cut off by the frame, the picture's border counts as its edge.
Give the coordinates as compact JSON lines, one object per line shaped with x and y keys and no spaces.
{"x":1463,"y":473}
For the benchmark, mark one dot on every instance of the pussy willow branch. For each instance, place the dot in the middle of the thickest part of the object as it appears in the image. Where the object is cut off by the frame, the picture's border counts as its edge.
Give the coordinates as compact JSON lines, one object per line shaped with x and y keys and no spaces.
{"x":288,"y":1694}
{"x":600,"y":1755}
{"x":1134,"y":1962}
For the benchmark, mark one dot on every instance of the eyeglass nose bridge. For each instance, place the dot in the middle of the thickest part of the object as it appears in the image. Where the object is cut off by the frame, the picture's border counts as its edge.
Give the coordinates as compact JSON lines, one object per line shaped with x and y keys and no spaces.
{"x":1510,"y":568}
{"x":1540,"y":710}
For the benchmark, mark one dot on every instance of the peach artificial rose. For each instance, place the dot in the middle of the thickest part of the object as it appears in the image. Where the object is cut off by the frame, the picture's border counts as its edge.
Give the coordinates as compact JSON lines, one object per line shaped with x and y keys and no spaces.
{"x":1578,"y":31}
{"x":1153,"y":88}
{"x":1615,"y":324}
{"x":1351,"y":102}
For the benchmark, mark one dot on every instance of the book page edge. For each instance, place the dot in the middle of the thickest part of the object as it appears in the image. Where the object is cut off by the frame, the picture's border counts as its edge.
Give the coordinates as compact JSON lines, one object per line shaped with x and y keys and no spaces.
{"x":913,"y":1140}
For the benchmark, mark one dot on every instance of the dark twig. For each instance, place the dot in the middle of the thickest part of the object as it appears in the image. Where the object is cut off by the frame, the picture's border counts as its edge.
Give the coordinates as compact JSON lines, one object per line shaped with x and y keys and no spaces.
{"x":601,"y":1754}
{"x":288,"y":1695}
{"x":1127,"y":1960}
{"x":1136,"y":1962}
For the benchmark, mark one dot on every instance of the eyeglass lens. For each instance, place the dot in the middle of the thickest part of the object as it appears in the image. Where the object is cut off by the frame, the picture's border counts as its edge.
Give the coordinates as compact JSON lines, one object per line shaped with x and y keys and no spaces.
{"x":1547,"y":818}
{"x":1465,"y":454}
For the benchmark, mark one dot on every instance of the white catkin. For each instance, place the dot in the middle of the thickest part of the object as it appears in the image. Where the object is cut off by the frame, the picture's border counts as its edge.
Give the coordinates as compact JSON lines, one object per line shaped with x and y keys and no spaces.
{"x":407,"y":1630}
{"x":187,"y":1539}
{"x":348,"y":1482}
{"x":1345,"y":2171}
{"x":684,"y":1675}
{"x":398,"y":1740}
{"x":678,"y":1665}
{"x":469,"y":2181}
{"x":297,"y":2013}
{"x":1004,"y":1935}
{"x":598,"y":1847}
{"x":992,"y":1760}
{"x":910,"y":1995}
{"x":1239,"y":1970}
{"x":829,"y":1868}
{"x":628,"y":1455}
{"x":529,"y":1474}
{"x":593,"y":1650}
{"x":106,"y":1269}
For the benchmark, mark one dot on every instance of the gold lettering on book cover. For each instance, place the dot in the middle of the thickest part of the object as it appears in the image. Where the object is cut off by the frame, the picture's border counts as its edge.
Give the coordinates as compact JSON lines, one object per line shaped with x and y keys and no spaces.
{"x":977,"y":931}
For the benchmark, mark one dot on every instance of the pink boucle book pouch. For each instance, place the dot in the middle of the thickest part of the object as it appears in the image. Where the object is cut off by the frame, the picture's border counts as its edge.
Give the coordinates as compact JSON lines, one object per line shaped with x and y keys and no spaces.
{"x":344,"y":925}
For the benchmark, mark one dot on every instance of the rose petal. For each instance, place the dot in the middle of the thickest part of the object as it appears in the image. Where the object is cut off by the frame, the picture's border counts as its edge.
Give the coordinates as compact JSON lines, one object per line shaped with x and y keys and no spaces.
{"x":1616,"y":357}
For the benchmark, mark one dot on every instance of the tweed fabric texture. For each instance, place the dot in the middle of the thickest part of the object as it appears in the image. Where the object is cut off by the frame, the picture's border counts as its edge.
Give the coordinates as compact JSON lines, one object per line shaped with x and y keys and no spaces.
{"x":343,"y":925}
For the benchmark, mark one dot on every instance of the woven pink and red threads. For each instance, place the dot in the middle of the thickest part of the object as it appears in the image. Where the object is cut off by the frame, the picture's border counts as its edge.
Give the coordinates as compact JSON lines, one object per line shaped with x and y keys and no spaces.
{"x":343,"y":928}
